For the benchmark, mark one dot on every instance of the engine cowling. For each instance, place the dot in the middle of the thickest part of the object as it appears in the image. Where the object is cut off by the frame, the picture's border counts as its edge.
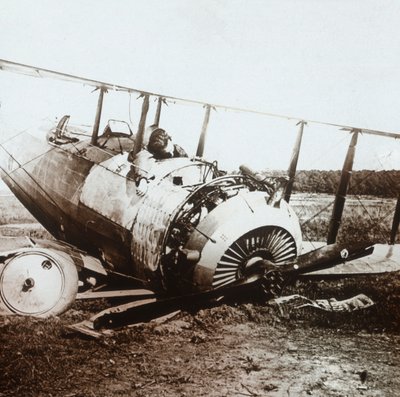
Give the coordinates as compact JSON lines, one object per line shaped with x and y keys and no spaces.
{"x":222,"y":229}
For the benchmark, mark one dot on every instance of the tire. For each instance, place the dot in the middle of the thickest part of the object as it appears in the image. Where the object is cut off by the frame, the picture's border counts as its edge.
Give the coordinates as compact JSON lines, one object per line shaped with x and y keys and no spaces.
{"x":38,"y":283}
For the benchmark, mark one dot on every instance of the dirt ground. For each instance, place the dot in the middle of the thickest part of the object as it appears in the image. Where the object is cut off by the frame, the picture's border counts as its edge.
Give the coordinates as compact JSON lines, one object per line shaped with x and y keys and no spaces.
{"x":241,"y":348}
{"x":230,"y":349}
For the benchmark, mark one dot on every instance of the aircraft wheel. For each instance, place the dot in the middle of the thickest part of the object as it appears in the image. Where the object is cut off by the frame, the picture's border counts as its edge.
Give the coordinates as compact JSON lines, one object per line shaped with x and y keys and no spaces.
{"x":37,"y":284}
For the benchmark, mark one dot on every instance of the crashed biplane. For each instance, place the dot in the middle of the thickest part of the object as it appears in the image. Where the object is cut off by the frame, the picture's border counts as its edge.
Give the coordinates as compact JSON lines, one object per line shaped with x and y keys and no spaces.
{"x":174,"y":228}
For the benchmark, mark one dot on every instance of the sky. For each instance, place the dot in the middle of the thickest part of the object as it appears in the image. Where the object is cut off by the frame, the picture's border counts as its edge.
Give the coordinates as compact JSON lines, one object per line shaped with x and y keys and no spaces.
{"x":334,"y":61}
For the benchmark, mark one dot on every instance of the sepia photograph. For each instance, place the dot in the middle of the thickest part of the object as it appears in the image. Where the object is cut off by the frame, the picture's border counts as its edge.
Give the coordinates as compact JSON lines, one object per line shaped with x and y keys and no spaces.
{"x":199,"y":198}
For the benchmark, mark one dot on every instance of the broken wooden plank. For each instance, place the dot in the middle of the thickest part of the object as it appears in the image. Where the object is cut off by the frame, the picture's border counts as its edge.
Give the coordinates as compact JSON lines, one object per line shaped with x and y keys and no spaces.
{"x":138,"y":293}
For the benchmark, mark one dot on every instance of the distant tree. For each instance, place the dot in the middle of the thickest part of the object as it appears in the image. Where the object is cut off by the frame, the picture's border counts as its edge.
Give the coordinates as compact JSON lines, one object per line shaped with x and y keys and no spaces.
{"x":365,"y":182}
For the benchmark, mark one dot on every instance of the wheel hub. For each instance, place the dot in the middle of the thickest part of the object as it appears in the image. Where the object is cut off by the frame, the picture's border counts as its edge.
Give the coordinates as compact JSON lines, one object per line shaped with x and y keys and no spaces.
{"x":28,"y":284}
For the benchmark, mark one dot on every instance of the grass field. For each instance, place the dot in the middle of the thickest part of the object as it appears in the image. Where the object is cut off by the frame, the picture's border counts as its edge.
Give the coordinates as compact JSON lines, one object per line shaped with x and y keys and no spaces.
{"x":16,"y":221}
{"x":363,"y":217}
{"x":12,"y":211}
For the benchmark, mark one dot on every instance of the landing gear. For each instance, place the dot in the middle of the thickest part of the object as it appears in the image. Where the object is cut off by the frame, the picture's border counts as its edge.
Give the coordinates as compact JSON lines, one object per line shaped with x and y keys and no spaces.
{"x":37,"y":284}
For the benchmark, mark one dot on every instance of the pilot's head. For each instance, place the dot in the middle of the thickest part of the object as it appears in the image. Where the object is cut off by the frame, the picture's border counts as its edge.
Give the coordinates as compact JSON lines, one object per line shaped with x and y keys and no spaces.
{"x":159,"y":144}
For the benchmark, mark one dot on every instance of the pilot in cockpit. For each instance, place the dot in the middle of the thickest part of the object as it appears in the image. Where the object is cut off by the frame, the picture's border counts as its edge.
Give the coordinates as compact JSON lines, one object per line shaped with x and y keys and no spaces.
{"x":159,"y":147}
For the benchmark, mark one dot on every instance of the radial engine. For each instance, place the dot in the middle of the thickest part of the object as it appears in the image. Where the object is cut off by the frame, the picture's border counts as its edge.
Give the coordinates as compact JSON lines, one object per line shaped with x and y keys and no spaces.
{"x":207,"y":235}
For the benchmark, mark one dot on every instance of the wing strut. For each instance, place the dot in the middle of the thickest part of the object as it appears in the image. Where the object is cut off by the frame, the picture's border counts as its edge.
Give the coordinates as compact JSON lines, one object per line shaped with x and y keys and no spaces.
{"x":294,"y":160}
{"x":342,"y":190}
{"x":396,"y":222}
{"x":142,"y":124}
{"x":96,"y":125}
{"x":202,"y":139}
{"x":158,"y":111}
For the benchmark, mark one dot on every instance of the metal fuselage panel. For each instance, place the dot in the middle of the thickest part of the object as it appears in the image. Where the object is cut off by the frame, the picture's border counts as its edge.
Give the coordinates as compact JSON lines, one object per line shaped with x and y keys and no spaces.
{"x":144,"y":213}
{"x":84,"y":197}
{"x":151,"y":224}
{"x":48,"y":180}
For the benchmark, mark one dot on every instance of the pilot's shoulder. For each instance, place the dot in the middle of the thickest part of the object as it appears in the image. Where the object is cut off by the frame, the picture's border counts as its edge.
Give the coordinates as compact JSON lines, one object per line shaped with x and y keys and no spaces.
{"x":143,"y":155}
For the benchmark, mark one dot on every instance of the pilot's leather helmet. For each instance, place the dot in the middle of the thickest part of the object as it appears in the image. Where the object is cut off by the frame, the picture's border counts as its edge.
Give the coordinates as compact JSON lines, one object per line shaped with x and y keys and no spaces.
{"x":158,"y":144}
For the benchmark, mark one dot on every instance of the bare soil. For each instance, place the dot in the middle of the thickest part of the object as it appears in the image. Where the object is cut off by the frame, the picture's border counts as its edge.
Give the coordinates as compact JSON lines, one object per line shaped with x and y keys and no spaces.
{"x":229,"y":349}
